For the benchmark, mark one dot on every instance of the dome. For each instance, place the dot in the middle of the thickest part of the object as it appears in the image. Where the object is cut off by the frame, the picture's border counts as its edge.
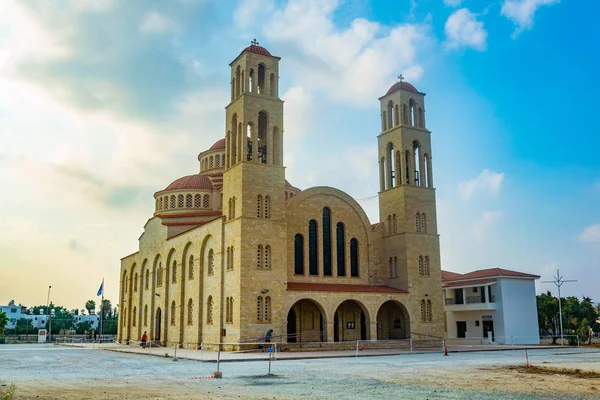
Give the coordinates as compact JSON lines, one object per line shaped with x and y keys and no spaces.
{"x":191,"y":182}
{"x":256,"y":49}
{"x":404,"y":86}
{"x":219,"y":145}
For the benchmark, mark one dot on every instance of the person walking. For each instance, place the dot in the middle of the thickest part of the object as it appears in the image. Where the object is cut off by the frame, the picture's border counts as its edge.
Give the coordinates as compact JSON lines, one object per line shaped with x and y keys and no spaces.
{"x":144,"y":340}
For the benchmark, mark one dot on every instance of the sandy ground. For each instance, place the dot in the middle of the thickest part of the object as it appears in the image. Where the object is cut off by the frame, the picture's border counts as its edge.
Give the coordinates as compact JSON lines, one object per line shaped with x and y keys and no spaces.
{"x":51,"y":372}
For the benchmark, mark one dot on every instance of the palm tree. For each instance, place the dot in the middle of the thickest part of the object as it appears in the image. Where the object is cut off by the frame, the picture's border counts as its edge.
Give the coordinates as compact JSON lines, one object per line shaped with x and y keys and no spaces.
{"x":3,"y":322}
{"x":90,"y":305}
{"x":106,"y":308}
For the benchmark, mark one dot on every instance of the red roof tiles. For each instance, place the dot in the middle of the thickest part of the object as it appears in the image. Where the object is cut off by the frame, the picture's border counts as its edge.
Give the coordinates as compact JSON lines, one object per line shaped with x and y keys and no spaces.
{"x":219,"y":144}
{"x":485,"y":273}
{"x":191,"y":182}
{"x":402,"y":85}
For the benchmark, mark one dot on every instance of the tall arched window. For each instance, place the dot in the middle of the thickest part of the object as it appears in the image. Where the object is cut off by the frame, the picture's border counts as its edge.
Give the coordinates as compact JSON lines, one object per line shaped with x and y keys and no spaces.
{"x":423,"y":224}
{"x":390,"y":225}
{"x":174,"y":272}
{"x":327,"y":267}
{"x":166,"y":202}
{"x":429,"y":311}
{"x":267,"y":309}
{"x":340,"y":237}
{"x":261,"y":79}
{"x":160,"y":203}
{"x":231,"y":257}
{"x":188,"y":201}
{"x":191,"y":268}
{"x":218,"y":161}
{"x":421,"y":270}
{"x":159,"y":276}
{"x":147,"y":279}
{"x":299,"y":254}
{"x":418,"y":222}
{"x":206,"y":201}
{"x":391,"y":267}
{"x":135,"y":282}
{"x":231,"y":310}
{"x":227,"y":310}
{"x":354,"y":269}
{"x":173,"y":201}
{"x":426,"y":266}
{"x":395,"y":267}
{"x":259,"y":306}
{"x":190,"y":312}
{"x":259,"y":206}
{"x":146,"y":315}
{"x":259,"y":256}
{"x":180,"y":201}
{"x":211,"y":262}
{"x":395,"y":223}
{"x":251,"y":83}
{"x":313,"y":249}
{"x":267,"y":207}
{"x":267,"y":257}
{"x":209,"y":310}
{"x":423,"y":311}
{"x":173,"y":309}
{"x":198,"y":201}
{"x":233,"y":208}
{"x":134,"y":316}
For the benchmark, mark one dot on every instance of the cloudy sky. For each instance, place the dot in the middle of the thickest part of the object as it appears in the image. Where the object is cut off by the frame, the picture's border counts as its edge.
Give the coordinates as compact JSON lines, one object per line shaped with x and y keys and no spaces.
{"x":104,"y":102}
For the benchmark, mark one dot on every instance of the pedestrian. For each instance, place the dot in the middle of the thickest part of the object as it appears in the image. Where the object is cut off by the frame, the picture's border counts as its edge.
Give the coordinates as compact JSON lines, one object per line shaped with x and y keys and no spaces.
{"x":144,"y":340}
{"x":94,"y":335}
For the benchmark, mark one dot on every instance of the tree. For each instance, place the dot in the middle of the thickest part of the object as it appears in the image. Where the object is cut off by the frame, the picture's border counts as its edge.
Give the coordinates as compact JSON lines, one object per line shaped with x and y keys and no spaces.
{"x":547,"y":306}
{"x":577,"y":316}
{"x":3,"y":322}
{"x":83,"y":327}
{"x":106,"y":308}
{"x":24,"y":326}
{"x":90,"y":305}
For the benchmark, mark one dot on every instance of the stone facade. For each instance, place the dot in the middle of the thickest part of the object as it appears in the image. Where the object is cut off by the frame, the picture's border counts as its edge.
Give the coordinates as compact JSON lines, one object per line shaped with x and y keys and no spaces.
{"x":260,"y":254}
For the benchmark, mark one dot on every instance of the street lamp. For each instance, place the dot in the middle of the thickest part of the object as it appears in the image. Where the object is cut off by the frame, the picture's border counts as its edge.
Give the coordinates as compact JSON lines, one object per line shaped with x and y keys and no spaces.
{"x":48,"y":307}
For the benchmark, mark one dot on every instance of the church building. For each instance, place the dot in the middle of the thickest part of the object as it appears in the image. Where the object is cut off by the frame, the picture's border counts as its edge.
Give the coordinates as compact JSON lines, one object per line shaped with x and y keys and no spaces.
{"x":236,"y":250}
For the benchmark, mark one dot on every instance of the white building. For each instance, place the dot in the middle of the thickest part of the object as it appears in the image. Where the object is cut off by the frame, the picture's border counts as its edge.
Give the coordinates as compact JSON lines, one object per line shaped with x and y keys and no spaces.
{"x":495,"y":302}
{"x":14,"y":313}
{"x":93,"y":319}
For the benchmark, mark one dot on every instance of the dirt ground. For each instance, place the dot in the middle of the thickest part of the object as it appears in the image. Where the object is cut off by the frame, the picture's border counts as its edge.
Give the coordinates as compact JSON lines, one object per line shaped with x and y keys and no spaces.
{"x":59,"y":373}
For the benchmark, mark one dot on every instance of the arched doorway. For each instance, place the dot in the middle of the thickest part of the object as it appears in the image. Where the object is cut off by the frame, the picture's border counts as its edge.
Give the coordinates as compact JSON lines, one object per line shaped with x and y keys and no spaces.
{"x":393,"y":321}
{"x":350,"y":322}
{"x":158,"y":324}
{"x":306,"y":322}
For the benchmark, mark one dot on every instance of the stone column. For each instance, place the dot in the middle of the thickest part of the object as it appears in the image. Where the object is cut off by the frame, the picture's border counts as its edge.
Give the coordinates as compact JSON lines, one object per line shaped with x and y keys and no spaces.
{"x":330,"y":331}
{"x":373,"y":329}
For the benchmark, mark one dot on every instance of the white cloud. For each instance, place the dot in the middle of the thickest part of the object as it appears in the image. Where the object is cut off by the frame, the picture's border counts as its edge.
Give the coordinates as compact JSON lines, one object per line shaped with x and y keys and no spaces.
{"x":248,"y":11}
{"x":155,"y":22}
{"x":463,"y":30}
{"x":521,"y":12}
{"x":356,"y":63}
{"x":591,"y":235}
{"x":484,"y":223}
{"x":453,"y":3}
{"x":488,"y":182}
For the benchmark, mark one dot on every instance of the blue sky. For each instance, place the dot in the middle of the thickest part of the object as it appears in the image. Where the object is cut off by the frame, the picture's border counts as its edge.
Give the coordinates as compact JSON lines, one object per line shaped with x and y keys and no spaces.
{"x":103,"y":102}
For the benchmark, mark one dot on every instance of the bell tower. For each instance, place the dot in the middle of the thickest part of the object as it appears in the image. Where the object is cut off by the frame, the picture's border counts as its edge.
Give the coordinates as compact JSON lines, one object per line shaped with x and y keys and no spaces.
{"x":407,"y":208}
{"x":253,"y":196}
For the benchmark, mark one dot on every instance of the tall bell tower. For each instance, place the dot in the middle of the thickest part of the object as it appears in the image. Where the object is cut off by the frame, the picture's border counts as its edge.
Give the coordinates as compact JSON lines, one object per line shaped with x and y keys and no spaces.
{"x":253,"y":196}
{"x":407,"y":208}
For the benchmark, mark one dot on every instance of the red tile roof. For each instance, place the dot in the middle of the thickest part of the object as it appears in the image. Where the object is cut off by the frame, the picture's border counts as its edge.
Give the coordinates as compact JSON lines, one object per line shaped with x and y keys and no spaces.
{"x":340,"y":287}
{"x":219,"y":144}
{"x":485,"y":273}
{"x":196,"y":181}
{"x":253,"y":48}
{"x":476,"y":282}
{"x":402,"y":85}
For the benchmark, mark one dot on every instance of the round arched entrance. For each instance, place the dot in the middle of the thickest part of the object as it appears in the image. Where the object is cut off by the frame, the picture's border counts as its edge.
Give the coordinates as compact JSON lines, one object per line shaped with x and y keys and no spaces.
{"x":158,"y":324}
{"x":350,"y":322}
{"x":393,"y":321}
{"x":306,"y":322}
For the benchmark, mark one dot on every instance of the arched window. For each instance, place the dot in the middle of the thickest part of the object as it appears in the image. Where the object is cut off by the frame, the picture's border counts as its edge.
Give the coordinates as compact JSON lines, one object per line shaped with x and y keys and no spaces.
{"x":259,"y":306}
{"x":313,"y":253}
{"x":229,"y":209}
{"x":237,"y":81}
{"x":396,"y":115}
{"x":231,"y":310}
{"x":174,"y":272}
{"x":160,"y":203}
{"x":231,"y":259}
{"x":426,"y":266}
{"x":390,"y":173}
{"x":421,"y":270}
{"x":272,"y":84}
{"x":395,"y":267}
{"x":206,"y":201}
{"x":261,"y":79}
{"x":173,"y":309}
{"x":211,"y":262}
{"x":412,"y":112}
{"x":227,"y":310}
{"x":166,"y":202}
{"x":191,"y":268}
{"x":299,"y":254}
{"x":418,"y":222}
{"x":405,"y":120}
{"x":217,"y":161}
{"x":134,"y":316}
{"x":391,"y":267}
{"x":159,"y":276}
{"x":423,"y":224}
{"x":180,"y":201}
{"x":259,"y":206}
{"x":243,"y":86}
{"x":417,"y":163}
{"x":267,"y":257}
{"x":259,"y":256}
{"x":390,"y":225}
{"x":390,"y":114}
{"x":210,"y":163}
{"x":395,"y":223}
{"x":125,"y":283}
{"x":233,"y":208}
{"x":147,"y":279}
{"x":340,"y":236}
{"x":135,"y":282}
{"x":190,"y":312}
{"x":173,"y":201}
{"x":209,"y":310}
{"x":423,"y":311}
{"x":198,"y":201}
{"x":267,"y":309}
{"x":267,"y":207}
{"x":251,"y":83}
{"x":354,"y":269}
{"x":188,"y":201}
{"x":327,"y":268}
{"x":429,"y":312}
{"x":146,"y":315}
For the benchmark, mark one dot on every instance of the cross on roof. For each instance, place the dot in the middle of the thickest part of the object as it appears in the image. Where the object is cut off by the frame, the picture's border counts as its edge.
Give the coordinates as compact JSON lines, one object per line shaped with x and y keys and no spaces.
{"x":400,"y":78}
{"x":254,"y":42}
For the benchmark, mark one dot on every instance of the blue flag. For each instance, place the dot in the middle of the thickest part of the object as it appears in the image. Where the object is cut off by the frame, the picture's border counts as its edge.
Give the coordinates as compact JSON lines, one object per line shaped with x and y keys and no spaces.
{"x":100,"y":290}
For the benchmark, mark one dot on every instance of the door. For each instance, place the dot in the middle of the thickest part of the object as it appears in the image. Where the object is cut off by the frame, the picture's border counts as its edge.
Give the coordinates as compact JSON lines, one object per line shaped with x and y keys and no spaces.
{"x":458,"y":296}
{"x":363,"y":326}
{"x":461,"y":329}
{"x":336,"y":328}
{"x":488,"y":326}
{"x":158,"y":324}
{"x":291,"y":326}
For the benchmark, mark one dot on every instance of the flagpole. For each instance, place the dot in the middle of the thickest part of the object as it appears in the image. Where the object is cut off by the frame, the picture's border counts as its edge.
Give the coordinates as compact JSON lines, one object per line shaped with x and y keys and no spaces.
{"x":101,"y":310}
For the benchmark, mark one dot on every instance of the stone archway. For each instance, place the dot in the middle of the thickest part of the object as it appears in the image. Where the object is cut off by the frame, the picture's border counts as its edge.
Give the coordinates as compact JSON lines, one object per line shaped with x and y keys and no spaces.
{"x":306,"y":322}
{"x":393,"y":321}
{"x":157,"y":330}
{"x":350,"y":322}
